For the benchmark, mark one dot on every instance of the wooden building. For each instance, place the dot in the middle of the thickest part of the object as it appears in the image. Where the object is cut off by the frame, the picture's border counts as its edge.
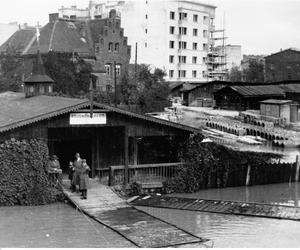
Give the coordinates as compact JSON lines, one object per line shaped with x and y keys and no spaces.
{"x":246,"y":97}
{"x":104,"y":135}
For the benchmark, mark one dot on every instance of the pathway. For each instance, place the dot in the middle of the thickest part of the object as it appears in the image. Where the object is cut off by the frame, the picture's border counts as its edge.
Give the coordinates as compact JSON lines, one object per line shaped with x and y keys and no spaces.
{"x":224,"y":207}
{"x":141,"y":229}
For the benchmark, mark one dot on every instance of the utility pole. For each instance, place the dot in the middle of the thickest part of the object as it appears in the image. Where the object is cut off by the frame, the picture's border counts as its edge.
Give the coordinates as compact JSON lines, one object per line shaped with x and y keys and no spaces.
{"x":135,"y":63}
{"x":115,"y":83}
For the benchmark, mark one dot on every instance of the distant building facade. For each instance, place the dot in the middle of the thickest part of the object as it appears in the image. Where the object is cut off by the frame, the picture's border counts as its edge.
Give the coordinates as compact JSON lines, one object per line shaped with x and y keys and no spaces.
{"x":173,"y":35}
{"x":283,"y":65}
{"x":233,"y":56}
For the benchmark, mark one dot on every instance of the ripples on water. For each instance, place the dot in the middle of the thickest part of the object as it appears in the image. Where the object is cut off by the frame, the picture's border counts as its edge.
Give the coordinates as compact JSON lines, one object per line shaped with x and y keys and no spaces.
{"x":232,"y":230}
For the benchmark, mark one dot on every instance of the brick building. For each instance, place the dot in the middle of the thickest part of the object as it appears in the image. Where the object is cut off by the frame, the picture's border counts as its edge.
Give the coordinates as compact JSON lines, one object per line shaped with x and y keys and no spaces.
{"x":283,"y":65}
{"x":110,"y":48}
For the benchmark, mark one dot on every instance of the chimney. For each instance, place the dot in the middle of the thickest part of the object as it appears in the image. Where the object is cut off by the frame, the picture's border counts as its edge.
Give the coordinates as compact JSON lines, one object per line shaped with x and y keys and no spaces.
{"x":53,"y":17}
{"x":113,"y":13}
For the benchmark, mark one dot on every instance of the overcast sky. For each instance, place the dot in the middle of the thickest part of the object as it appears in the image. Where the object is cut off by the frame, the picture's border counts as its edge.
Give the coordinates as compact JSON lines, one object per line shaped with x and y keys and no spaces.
{"x":260,"y":26}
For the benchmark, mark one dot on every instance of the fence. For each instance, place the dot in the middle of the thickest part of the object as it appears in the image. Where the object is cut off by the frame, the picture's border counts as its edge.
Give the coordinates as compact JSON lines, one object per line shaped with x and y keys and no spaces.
{"x":146,"y":173}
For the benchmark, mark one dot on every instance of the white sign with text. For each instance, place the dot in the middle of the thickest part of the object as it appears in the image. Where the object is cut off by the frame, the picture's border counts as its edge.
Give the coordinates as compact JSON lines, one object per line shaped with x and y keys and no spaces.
{"x":86,"y":119}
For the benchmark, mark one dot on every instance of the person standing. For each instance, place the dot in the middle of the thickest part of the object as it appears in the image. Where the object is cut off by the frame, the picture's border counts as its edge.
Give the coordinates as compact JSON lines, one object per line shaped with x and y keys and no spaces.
{"x":71,"y":172}
{"x":76,"y":174}
{"x":84,"y":179}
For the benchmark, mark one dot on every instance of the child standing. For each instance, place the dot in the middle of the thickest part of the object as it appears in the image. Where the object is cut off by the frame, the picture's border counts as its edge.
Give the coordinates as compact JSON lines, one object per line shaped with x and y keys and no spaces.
{"x":84,"y":179}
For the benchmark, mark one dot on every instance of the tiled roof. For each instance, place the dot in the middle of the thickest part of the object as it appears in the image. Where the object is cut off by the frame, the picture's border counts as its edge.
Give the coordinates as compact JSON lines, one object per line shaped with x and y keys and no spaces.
{"x":19,"y":40}
{"x":18,"y":111}
{"x":60,"y":36}
{"x":291,"y":88}
{"x":259,"y":90}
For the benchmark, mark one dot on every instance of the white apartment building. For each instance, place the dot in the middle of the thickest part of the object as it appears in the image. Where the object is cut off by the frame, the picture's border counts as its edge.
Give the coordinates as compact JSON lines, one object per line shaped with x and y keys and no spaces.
{"x":233,"y":55}
{"x":173,"y":35}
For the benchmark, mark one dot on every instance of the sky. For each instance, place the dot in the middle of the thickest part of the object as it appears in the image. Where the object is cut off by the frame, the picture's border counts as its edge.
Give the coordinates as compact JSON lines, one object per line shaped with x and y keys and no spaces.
{"x":260,"y":26}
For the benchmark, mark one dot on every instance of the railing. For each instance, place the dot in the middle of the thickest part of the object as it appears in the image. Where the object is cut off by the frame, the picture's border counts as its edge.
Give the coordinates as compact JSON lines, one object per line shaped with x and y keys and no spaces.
{"x":145,"y":173}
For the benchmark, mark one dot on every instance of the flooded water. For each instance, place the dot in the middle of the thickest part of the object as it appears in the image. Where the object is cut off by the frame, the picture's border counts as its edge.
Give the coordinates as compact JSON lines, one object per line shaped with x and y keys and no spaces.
{"x":283,"y":194}
{"x":57,"y":225}
{"x":231,"y":230}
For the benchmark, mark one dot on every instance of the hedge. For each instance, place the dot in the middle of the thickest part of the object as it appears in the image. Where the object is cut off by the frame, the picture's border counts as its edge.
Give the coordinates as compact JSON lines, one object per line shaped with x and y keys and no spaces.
{"x":23,"y":176}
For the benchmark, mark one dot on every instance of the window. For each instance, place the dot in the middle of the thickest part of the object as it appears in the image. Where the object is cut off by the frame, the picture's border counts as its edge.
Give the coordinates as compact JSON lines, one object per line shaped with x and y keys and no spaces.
{"x":117,"y":25}
{"x":50,"y":89}
{"x":182,"y":16}
{"x":125,"y":41}
{"x":205,"y":46}
{"x":205,"y":33}
{"x":118,"y":69}
{"x":105,"y":32}
{"x":182,"y":30}
{"x":172,"y":29}
{"x":109,"y":24}
{"x":110,"y":47}
{"x":97,"y":49}
{"x":203,"y":73}
{"x":107,"y":69}
{"x":195,"y":18}
{"x":171,"y":59}
{"x":195,"y":46}
{"x":181,"y":73}
{"x":194,"y":73}
{"x":205,"y":20}
{"x":128,"y":51}
{"x":146,"y":16}
{"x":204,"y":59}
{"x":171,"y":73}
{"x":194,"y":59}
{"x":172,"y":15}
{"x":146,"y":31}
{"x":117,"y":46}
{"x":182,"y":59}
{"x":195,"y":32}
{"x":121,"y":33}
{"x":146,"y":45}
{"x":171,"y":45}
{"x":182,"y":45}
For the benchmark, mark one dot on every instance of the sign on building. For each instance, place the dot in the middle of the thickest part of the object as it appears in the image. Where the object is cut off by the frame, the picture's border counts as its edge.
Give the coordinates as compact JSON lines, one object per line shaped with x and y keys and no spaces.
{"x":86,"y":119}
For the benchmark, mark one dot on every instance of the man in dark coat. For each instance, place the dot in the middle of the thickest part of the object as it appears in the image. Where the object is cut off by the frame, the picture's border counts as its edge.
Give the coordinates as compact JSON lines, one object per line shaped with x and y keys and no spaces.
{"x":84,"y":179}
{"x":77,"y":166}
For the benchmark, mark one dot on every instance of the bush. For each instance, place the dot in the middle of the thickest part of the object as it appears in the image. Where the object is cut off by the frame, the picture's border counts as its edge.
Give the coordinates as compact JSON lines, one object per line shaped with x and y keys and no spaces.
{"x":209,"y":165}
{"x":23,"y":176}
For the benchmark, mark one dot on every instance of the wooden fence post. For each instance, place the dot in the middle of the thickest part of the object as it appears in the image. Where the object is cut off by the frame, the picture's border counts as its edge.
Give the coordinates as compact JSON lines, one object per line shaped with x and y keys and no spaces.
{"x":248,"y":175}
{"x":297,"y":168}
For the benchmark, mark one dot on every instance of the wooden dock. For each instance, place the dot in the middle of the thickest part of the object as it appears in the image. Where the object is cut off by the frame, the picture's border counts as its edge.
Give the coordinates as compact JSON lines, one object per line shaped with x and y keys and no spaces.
{"x":141,"y":229}
{"x":224,"y":207}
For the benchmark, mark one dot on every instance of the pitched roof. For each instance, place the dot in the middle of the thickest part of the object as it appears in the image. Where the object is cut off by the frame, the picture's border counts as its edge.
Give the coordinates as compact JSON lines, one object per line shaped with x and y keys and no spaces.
{"x":38,"y":72}
{"x":283,"y":51}
{"x":18,"y":111}
{"x":19,"y":40}
{"x":60,"y":36}
{"x":291,"y":88}
{"x":259,"y":90}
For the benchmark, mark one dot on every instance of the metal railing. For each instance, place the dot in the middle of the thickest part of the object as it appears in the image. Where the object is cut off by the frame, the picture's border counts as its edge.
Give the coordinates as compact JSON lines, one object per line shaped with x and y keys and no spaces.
{"x":145,"y":173}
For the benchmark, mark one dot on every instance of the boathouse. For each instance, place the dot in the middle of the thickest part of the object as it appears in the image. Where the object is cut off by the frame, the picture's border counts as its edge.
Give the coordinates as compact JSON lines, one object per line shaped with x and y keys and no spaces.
{"x":106,"y":136}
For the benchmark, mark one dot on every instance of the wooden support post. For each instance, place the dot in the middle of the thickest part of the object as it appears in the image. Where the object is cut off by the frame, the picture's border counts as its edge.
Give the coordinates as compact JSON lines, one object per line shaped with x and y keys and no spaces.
{"x":135,"y":151}
{"x":126,"y":159}
{"x":111,"y":177}
{"x":248,"y":175}
{"x":297,"y":169}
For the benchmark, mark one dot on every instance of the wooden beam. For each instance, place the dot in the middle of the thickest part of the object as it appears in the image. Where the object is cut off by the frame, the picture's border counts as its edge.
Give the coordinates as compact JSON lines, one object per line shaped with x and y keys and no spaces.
{"x":126,"y":159}
{"x":135,"y":151}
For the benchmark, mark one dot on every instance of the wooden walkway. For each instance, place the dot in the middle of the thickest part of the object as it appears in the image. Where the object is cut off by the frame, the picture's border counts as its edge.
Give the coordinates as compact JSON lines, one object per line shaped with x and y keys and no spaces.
{"x":224,"y":207}
{"x":141,"y":229}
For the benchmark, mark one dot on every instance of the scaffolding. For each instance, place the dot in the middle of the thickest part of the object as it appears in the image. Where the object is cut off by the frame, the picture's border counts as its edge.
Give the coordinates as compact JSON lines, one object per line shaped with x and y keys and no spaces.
{"x":216,"y":57}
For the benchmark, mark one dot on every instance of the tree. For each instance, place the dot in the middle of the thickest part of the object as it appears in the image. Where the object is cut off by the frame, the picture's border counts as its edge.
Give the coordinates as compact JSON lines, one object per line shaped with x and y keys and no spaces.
{"x":148,"y":91}
{"x":235,"y":74}
{"x":254,"y":72}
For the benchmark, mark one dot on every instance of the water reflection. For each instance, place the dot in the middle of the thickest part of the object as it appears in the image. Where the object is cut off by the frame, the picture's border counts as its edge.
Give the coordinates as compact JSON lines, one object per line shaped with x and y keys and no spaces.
{"x":232,"y":230}
{"x":283,"y":194}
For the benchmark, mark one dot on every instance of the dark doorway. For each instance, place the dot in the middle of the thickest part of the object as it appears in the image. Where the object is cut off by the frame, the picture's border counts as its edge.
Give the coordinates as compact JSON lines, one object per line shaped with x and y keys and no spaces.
{"x":66,"y":150}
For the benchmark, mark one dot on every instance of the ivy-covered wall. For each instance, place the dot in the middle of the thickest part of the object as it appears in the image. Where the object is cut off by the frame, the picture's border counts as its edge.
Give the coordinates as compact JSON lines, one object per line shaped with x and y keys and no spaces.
{"x":23,"y":176}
